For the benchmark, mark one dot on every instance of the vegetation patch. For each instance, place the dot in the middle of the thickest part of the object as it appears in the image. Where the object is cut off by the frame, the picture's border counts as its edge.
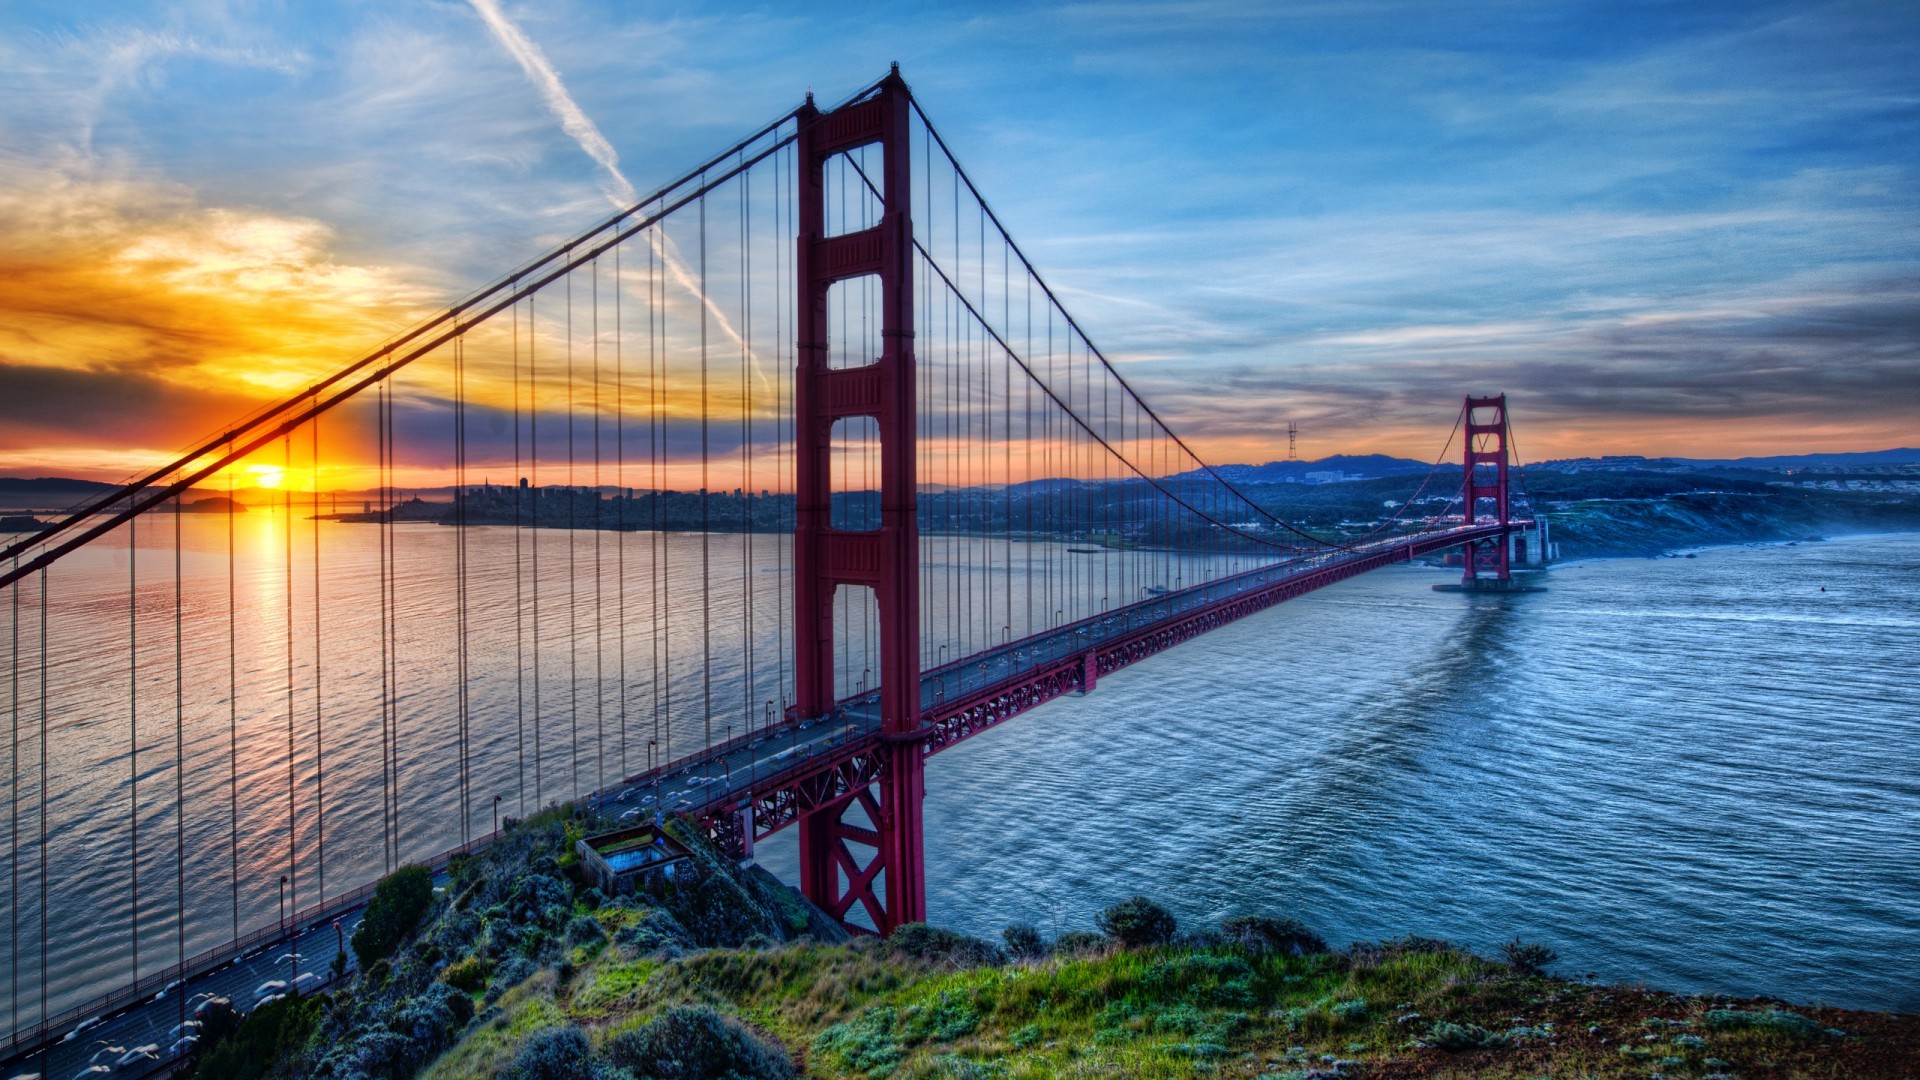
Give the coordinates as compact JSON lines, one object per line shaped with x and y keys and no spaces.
{"x":520,"y":970}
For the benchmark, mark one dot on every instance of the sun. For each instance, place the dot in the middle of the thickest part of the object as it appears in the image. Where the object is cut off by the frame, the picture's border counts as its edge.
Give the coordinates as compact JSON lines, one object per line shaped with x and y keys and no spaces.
{"x":267,"y":476}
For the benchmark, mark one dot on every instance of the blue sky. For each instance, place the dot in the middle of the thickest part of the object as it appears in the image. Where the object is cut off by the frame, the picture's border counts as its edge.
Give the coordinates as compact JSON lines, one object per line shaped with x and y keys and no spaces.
{"x":1663,"y":228}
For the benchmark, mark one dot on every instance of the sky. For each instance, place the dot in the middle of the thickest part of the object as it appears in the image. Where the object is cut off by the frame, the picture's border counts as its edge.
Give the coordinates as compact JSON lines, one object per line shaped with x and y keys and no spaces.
{"x":1662,"y":229}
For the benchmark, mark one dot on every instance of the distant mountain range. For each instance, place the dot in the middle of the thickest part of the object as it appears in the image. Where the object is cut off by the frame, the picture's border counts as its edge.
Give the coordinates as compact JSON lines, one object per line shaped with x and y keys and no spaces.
{"x":55,"y":490}
{"x":1327,"y":470}
{"x":1869,"y":459}
{"x":1342,"y":467}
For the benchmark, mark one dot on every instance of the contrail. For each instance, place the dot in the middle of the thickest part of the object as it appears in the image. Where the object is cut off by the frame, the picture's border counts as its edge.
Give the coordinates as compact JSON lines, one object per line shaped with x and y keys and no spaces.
{"x":572,"y":118}
{"x":575,"y":122}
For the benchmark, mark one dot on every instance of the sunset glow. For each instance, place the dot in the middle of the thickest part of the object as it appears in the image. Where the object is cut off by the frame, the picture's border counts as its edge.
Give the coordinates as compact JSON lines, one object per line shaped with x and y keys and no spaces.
{"x":1348,"y":241}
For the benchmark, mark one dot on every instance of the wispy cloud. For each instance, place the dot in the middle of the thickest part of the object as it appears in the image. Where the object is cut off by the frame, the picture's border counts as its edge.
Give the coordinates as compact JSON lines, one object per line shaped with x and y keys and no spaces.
{"x":553,"y":91}
{"x":574,"y":120}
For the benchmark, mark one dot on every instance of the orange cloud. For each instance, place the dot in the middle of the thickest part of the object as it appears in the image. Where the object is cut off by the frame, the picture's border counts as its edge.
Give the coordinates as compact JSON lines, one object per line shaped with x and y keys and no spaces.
{"x":134,"y":318}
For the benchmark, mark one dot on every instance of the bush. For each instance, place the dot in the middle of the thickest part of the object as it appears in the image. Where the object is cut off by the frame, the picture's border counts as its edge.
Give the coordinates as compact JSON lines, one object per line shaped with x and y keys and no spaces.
{"x":694,"y":1042}
{"x":399,"y":902}
{"x":1137,"y":922}
{"x":1024,"y":941}
{"x":922,"y":942}
{"x":1775,"y":1020}
{"x":584,"y":930}
{"x":556,"y":1053}
{"x":262,"y":1043}
{"x":865,"y":1044}
{"x":1527,"y":958}
{"x":468,"y":975}
{"x":433,"y":1018}
{"x":1209,"y":981}
{"x":1263,"y":934}
{"x":1456,"y":1038}
{"x":1079,"y":943}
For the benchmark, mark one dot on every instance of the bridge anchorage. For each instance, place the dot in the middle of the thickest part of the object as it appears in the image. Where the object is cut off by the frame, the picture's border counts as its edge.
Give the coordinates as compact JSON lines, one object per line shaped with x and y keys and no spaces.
{"x":869,"y":490}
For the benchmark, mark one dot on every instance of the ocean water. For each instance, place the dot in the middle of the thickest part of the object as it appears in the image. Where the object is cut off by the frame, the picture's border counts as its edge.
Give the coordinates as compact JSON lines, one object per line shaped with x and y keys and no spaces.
{"x":1702,"y":774}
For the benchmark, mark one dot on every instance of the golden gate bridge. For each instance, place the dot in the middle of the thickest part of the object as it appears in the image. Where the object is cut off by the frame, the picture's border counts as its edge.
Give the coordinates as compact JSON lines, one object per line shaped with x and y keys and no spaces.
{"x":808,"y":475}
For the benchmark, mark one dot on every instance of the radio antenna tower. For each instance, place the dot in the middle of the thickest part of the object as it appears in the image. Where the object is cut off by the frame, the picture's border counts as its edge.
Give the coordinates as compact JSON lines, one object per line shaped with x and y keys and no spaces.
{"x":1293,"y":441}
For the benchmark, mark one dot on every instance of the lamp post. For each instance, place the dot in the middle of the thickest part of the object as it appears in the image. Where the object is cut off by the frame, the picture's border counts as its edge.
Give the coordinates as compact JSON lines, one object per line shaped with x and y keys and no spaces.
{"x":496,"y":815}
{"x":293,"y":958}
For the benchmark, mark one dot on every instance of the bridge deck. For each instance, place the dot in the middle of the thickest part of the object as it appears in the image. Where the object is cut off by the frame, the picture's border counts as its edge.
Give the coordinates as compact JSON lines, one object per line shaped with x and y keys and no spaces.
{"x":803,"y":763}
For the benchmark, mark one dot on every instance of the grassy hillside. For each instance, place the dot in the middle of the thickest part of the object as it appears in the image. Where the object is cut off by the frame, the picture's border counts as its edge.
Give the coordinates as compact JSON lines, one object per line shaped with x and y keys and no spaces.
{"x":516,"y":971}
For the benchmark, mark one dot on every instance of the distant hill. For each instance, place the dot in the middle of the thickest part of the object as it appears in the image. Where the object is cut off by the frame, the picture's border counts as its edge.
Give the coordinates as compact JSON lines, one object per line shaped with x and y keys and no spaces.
{"x":1631,"y":462}
{"x":1327,"y":470}
{"x":41,"y":485}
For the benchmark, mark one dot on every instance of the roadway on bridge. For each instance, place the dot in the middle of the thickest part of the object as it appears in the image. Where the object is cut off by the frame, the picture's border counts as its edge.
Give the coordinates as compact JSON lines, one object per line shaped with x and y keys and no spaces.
{"x":734,"y":771}
{"x":144,"y":1039}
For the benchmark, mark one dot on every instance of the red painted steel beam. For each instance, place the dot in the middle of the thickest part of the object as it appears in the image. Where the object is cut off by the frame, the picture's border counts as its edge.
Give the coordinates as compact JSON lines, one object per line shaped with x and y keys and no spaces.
{"x":833,"y":780}
{"x":886,"y":560}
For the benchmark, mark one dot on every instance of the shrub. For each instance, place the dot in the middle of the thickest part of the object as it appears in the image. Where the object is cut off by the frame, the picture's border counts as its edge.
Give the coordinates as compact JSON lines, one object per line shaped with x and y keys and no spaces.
{"x":400,"y":901}
{"x":264,"y":1041}
{"x":468,"y":975}
{"x":1775,"y":1020}
{"x":218,"y":1019}
{"x":922,"y":942}
{"x":1213,"y":981}
{"x":1079,"y":943}
{"x":1526,"y":957}
{"x":1024,"y":941}
{"x":1455,"y":1038}
{"x":1137,"y":922}
{"x":694,"y":1042}
{"x":433,"y":1018}
{"x":584,"y":930}
{"x":515,"y":971}
{"x":865,"y":1044}
{"x":1263,"y":934}
{"x":556,"y":1053}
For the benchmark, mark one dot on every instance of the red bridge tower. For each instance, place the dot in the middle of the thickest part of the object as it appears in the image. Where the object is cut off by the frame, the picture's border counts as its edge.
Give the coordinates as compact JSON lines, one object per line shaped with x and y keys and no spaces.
{"x":1484,"y":494}
{"x":835,"y":870}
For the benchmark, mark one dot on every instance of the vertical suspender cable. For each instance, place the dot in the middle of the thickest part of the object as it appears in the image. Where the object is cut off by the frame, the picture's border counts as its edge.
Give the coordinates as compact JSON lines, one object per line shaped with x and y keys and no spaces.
{"x":599,"y":645}
{"x":133,"y":744}
{"x":13,"y":801}
{"x":46,"y":915}
{"x":386,"y":673}
{"x":286,"y":532}
{"x":519,"y":574}
{"x":461,"y":690}
{"x":573,"y":584}
{"x":746,"y":453}
{"x":706,"y":522}
{"x":233,"y":713}
{"x":179,"y":766}
{"x":622,"y":497}
{"x":655,"y":553}
{"x":390,"y":634}
{"x":319,"y":730}
{"x":533,"y":467}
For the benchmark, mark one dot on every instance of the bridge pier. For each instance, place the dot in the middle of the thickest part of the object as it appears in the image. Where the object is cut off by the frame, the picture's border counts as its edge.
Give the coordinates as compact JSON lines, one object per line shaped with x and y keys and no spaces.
{"x":890,"y":883}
